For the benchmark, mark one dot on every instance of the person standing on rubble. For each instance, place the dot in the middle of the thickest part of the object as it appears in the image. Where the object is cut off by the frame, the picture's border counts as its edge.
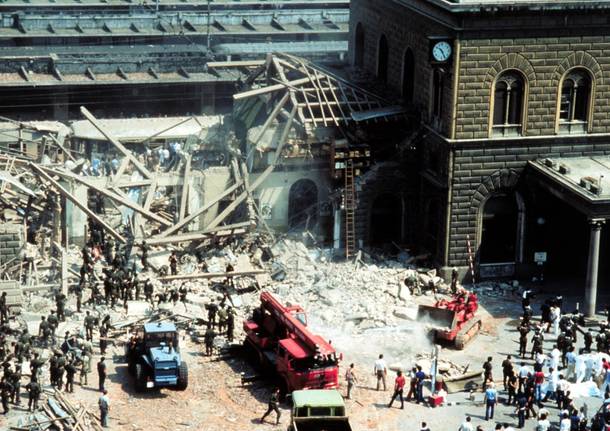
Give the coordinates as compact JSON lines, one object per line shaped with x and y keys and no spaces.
{"x":36,"y":367}
{"x":89,"y":325}
{"x":230,"y":323}
{"x":104,"y":405}
{"x":61,"y":368}
{"x":487,"y":371}
{"x":273,"y":406}
{"x":70,"y":373}
{"x":103,"y":339}
{"x":380,"y":370}
{"x":148,"y":291}
{"x":60,"y":302}
{"x":44,"y":331}
{"x":5,"y":392}
{"x":351,"y":379}
{"x":34,"y":390}
{"x":208,"y":339}
{"x":399,"y":385}
{"x":212,"y":310}
{"x":173,"y":263}
{"x":53,"y":323}
{"x":144,"y":258}
{"x":85,"y":368}
{"x":222,"y":319}
{"x":16,"y":383}
{"x":101,"y":373}
{"x":3,"y":309}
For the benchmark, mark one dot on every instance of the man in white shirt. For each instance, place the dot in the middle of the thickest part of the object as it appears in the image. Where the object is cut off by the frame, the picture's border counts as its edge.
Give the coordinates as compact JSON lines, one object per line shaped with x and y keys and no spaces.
{"x":523,"y":372}
{"x":571,"y":361}
{"x":562,"y":387}
{"x":555,"y":357}
{"x":466,"y":425}
{"x":565,"y":424}
{"x":380,"y":371}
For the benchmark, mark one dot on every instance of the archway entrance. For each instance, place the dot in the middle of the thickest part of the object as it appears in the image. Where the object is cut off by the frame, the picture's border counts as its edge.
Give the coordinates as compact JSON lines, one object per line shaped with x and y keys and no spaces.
{"x":383,"y":54}
{"x":302,"y":205}
{"x":386,"y":219}
{"x":500,"y":230}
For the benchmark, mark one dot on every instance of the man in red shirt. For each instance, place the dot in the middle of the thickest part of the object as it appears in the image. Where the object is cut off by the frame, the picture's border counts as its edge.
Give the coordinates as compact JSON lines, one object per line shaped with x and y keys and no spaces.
{"x":538,"y":382}
{"x":399,"y":385}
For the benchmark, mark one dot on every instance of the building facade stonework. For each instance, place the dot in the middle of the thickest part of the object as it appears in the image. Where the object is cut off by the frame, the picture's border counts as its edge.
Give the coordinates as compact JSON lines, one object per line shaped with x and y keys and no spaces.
{"x":523,"y":83}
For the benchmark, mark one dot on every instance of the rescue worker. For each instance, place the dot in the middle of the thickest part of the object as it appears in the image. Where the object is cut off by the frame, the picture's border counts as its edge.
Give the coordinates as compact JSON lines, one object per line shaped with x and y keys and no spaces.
{"x":212,"y":309}
{"x":588,"y":340}
{"x":273,"y":406}
{"x":103,"y":339}
{"x":104,"y":405}
{"x":44,"y":331}
{"x":101,"y":373}
{"x":60,"y":301}
{"x":173,"y":263}
{"x":148,"y":291}
{"x":34,"y":390}
{"x":208,"y":339}
{"x":523,"y":332}
{"x":70,"y":373}
{"x":230,"y":323}
{"x":487,"y":371}
{"x":3,"y":309}
{"x":16,"y":383}
{"x":222,"y":319}
{"x":85,"y":368}
{"x":89,"y":325}
{"x":5,"y":392}
{"x":144,"y":259}
{"x":53,"y":322}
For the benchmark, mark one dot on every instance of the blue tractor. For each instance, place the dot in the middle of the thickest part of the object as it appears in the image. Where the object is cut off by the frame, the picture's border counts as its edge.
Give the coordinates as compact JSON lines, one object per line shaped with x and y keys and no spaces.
{"x":154,"y":359}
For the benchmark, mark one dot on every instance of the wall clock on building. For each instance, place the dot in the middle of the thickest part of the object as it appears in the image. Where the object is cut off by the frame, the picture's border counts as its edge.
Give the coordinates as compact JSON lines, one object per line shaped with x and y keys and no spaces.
{"x":441,"y":51}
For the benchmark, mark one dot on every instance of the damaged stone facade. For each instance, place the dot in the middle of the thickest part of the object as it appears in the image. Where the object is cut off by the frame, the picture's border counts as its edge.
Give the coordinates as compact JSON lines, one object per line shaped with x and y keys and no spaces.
{"x":468,"y":172}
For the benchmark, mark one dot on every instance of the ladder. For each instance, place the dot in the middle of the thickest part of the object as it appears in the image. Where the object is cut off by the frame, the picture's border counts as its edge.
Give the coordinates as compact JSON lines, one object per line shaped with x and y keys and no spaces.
{"x":350,"y":210}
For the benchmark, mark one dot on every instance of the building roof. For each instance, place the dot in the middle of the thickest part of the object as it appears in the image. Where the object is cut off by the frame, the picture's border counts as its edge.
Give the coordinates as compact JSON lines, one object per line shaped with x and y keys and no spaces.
{"x":490,"y":5}
{"x":317,"y":398}
{"x":578,"y":174}
{"x":130,"y":129}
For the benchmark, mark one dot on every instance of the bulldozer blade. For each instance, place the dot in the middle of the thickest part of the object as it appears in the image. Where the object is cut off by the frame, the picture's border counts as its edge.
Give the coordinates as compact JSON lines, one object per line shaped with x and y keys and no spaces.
{"x":439,"y":317}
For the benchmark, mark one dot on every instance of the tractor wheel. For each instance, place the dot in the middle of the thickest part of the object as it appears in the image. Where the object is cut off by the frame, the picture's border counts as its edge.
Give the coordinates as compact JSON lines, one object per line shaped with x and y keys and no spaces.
{"x":183,"y":377}
{"x":140,"y":378}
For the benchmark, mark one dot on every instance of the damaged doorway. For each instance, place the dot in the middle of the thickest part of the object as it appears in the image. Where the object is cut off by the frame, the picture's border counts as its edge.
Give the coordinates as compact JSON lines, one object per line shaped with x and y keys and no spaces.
{"x":501,"y":229}
{"x":302,"y":205}
{"x":386,"y":219}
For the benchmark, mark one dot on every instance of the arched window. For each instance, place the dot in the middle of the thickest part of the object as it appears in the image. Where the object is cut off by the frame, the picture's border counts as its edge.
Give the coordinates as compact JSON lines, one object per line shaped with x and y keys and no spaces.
{"x":575,"y":102}
{"x":438,"y":87}
{"x":383,"y":52}
{"x":508,"y":105}
{"x":408,"y":75}
{"x":359,"y":46}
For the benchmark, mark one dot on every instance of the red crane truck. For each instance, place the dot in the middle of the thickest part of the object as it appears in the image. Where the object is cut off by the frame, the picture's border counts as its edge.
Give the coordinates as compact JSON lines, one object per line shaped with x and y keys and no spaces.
{"x":283,"y":344}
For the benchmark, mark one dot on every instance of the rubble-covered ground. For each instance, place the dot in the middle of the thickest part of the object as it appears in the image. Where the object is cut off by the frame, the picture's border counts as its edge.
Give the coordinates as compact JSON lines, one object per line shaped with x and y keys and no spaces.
{"x":360,"y":306}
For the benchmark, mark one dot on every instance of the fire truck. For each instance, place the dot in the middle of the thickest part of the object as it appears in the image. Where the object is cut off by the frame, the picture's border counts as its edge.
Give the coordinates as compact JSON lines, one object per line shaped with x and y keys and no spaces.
{"x":283,"y":344}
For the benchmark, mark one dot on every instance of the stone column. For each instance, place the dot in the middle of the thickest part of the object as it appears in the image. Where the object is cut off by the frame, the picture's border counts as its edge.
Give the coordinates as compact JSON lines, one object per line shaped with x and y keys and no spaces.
{"x":593,"y":266}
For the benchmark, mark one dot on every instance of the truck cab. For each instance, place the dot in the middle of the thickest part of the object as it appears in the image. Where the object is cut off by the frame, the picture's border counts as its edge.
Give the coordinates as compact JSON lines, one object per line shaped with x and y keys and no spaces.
{"x":318,"y":410}
{"x":154,"y":358}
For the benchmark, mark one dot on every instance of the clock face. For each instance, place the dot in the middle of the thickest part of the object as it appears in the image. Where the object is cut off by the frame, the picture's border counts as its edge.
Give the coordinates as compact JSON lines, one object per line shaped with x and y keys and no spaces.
{"x":441,"y":51}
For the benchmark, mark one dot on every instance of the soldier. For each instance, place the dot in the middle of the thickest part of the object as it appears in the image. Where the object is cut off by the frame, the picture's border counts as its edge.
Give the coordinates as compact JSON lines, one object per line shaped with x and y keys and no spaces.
{"x":101,"y":373}
{"x":212,"y":309}
{"x":33,"y":389}
{"x":5,"y":392}
{"x":173,"y":263}
{"x":103,"y":339}
{"x":61,"y":364}
{"x":273,"y":406}
{"x":208,"y":339}
{"x":230,"y":324}
{"x":536,"y":343}
{"x":3,"y":309}
{"x":36,"y":366}
{"x":44,"y":331}
{"x":89,"y":324}
{"x":16,"y":383}
{"x":487,"y":368}
{"x":600,"y":341}
{"x":588,"y":339}
{"x":53,"y":322}
{"x":148,"y":291}
{"x":60,"y":300}
{"x":78,"y":291}
{"x":523,"y":331}
{"x":70,"y":373}
{"x":183,"y":291}
{"x":144,"y":248}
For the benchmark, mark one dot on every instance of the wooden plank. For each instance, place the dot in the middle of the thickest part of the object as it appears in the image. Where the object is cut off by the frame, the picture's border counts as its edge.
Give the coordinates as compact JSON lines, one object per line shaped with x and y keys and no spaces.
{"x":64,"y":150}
{"x":167,"y":130}
{"x":185,"y":187}
{"x":199,"y":235}
{"x":197,"y":213}
{"x":115,"y":142}
{"x":208,"y":275}
{"x":269,"y":89}
{"x":78,"y":203}
{"x":114,"y":196}
{"x":271,"y":117}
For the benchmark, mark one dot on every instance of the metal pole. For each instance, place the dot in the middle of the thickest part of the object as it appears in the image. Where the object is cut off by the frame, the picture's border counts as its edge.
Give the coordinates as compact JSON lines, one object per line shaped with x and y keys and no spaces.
{"x":592,"y":267}
{"x":208,"y":41}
